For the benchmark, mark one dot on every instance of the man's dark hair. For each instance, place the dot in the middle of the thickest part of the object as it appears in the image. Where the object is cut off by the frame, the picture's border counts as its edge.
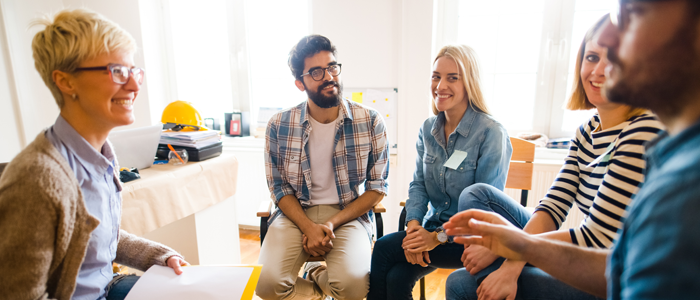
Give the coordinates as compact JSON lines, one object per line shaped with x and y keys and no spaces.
{"x":308,"y":47}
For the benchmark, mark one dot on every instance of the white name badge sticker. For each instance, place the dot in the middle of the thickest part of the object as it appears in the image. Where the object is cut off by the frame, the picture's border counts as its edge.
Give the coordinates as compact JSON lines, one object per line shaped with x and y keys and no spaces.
{"x":456,"y":159}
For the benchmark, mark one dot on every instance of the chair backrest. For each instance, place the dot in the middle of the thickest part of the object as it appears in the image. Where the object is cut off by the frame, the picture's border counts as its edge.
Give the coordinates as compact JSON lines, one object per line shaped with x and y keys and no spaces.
{"x":521,"y":167}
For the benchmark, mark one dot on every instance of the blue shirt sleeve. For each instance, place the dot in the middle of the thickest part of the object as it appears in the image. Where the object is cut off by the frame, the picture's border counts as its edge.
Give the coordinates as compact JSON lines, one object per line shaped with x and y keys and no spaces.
{"x":417,"y":206}
{"x":494,"y":158}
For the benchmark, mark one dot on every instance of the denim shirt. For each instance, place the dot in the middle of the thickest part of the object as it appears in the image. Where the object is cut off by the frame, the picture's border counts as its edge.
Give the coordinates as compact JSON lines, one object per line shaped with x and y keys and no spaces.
{"x":656,"y":255}
{"x":101,"y":189}
{"x":433,"y":195}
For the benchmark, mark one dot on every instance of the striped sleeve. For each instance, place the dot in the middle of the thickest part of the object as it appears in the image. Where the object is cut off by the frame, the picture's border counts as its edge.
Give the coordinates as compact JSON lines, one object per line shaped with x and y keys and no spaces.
{"x":562,"y":193}
{"x":620,"y":182}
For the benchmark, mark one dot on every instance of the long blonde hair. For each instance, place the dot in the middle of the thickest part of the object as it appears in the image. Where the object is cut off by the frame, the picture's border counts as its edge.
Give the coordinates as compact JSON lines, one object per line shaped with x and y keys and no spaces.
{"x":467,"y":62}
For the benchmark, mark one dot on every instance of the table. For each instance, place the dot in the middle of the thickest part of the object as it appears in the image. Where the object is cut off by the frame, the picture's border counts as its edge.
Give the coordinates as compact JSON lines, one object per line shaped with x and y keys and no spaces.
{"x":189,"y":208}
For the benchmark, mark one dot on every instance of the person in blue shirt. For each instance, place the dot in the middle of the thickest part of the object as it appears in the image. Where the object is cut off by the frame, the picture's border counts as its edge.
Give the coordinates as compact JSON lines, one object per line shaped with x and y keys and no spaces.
{"x":655,"y":63}
{"x":461,"y":145}
{"x":60,"y":198}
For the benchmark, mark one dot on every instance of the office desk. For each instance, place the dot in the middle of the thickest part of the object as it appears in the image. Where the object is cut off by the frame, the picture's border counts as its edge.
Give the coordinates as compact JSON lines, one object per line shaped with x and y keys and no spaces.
{"x":189,"y":208}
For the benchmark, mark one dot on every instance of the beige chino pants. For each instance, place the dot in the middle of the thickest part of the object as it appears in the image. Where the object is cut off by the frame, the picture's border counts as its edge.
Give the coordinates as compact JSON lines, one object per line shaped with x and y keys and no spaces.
{"x":282,"y":256}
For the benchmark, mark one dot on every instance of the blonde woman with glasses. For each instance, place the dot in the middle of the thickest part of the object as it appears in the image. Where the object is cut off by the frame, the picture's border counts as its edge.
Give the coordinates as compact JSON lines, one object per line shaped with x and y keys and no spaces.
{"x":460,"y":146}
{"x":601,"y":173}
{"x":60,"y":202}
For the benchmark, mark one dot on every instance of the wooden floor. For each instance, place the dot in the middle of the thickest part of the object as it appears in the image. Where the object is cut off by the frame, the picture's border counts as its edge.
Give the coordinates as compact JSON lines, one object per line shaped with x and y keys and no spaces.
{"x":434,"y":283}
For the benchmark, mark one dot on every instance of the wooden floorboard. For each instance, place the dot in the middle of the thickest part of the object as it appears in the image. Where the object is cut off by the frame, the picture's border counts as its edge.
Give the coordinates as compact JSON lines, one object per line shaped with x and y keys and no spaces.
{"x":434,"y":282}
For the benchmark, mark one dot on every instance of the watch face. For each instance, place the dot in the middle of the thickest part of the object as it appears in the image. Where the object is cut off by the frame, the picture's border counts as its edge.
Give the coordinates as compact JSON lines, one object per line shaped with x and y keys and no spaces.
{"x":442,"y":237}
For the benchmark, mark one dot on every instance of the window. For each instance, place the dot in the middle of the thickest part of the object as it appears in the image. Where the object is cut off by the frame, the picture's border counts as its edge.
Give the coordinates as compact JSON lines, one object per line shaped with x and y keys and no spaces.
{"x":223,"y":55}
{"x":527,"y":50}
{"x":200,"y":55}
{"x":271,"y":34}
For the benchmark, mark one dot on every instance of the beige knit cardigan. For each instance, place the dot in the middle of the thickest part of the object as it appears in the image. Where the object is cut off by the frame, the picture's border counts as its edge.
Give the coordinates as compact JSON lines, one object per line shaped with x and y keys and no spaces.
{"x":45,"y":228}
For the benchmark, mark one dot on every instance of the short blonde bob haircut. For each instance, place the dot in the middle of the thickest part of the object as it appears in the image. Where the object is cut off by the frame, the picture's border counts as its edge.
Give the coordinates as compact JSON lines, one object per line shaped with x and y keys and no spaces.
{"x":73,"y":37}
{"x":578,"y":99}
{"x":468,"y":65}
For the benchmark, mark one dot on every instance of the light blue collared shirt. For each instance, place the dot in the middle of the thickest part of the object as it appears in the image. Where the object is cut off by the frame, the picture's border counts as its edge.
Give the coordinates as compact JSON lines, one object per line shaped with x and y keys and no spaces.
{"x":433,"y":195}
{"x":100,"y":187}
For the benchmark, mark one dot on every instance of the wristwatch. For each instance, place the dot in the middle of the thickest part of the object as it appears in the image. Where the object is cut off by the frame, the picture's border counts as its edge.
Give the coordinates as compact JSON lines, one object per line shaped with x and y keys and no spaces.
{"x":441,"y":235}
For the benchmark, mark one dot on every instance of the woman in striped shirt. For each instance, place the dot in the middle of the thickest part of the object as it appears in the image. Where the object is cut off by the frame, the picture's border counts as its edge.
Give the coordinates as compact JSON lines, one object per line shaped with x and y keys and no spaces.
{"x":603,"y":170}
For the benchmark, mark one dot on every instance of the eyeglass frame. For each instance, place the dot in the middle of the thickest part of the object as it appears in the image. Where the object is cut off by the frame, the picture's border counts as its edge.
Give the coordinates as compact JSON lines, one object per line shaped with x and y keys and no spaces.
{"x":325,"y":70}
{"x":178,"y":126}
{"x":109,"y":67}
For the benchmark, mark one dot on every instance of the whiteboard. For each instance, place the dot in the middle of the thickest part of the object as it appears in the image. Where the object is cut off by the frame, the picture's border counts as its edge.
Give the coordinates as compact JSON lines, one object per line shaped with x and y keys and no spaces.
{"x":384,"y":101}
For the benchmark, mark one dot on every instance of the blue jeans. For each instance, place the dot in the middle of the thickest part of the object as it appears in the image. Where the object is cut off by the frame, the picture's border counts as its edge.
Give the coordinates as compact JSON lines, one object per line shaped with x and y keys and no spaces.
{"x":393,"y":277}
{"x":485,"y":197}
{"x":120,"y":286}
{"x":533,"y":283}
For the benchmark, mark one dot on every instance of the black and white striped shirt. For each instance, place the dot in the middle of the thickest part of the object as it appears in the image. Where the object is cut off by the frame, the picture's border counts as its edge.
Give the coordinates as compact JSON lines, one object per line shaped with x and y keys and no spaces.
{"x":603,"y":190}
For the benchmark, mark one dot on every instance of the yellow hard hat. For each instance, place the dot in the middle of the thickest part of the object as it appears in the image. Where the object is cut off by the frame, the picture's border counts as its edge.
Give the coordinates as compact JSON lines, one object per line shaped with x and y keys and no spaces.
{"x":179,"y":115}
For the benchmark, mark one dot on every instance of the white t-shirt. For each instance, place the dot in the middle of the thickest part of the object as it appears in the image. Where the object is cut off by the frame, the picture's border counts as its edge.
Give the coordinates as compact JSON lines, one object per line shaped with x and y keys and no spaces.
{"x":321,"y":142}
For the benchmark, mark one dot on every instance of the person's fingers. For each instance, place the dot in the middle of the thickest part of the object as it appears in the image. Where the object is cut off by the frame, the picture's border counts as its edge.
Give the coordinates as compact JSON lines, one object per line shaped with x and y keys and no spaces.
{"x":471,"y":240}
{"x":413,"y":245}
{"x":464,"y":256}
{"x":328,"y":232}
{"x":174,"y":263}
{"x":426,"y":255}
{"x":510,"y":297}
{"x":421,"y":261}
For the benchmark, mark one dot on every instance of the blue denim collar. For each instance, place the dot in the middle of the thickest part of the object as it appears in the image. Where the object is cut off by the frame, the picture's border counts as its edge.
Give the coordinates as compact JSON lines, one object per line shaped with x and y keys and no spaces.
{"x":463,"y":128}
{"x":666,"y":146}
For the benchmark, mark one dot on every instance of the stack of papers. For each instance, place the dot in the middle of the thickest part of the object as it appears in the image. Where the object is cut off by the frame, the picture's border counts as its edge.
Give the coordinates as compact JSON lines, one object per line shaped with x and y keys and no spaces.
{"x":197,"y":282}
{"x":193,"y":139}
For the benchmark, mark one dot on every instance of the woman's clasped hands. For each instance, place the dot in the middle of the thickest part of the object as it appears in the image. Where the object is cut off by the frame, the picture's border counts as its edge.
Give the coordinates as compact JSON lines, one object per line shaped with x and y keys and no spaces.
{"x":417,"y":243}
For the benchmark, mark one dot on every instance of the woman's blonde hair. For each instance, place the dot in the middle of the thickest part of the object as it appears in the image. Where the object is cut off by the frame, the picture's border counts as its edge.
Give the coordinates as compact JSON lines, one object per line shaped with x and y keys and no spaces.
{"x":72,"y":37}
{"x":467,"y":62}
{"x":578,"y":99}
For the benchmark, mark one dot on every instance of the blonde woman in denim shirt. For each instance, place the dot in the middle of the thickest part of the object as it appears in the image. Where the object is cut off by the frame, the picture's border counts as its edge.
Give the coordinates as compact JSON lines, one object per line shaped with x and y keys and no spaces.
{"x":464,"y":131}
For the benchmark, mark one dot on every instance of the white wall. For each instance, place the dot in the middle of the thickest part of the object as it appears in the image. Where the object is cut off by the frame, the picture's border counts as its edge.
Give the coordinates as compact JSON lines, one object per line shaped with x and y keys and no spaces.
{"x":382,"y":44}
{"x":23,"y":93}
{"x":385,"y":44}
{"x":11,"y":136}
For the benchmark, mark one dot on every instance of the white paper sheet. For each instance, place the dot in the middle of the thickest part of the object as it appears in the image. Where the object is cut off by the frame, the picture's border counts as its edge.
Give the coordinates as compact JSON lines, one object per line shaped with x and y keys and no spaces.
{"x":198,"y":282}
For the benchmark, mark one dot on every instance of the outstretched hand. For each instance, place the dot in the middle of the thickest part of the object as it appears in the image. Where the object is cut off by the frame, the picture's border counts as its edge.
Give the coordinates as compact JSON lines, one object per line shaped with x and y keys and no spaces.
{"x":488,"y":229}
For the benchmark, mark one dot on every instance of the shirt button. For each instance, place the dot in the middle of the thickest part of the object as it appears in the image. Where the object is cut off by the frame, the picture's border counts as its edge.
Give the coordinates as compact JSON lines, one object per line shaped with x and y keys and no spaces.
{"x":445,"y":203}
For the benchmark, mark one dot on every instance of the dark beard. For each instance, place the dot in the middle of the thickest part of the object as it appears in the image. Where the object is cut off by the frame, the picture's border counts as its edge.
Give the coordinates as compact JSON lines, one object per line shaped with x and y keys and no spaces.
{"x":323,"y":101}
{"x":665,"y":81}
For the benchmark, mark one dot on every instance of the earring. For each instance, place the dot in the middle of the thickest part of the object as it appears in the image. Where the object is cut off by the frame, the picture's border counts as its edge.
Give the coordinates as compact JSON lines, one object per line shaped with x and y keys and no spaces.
{"x":75,"y":96}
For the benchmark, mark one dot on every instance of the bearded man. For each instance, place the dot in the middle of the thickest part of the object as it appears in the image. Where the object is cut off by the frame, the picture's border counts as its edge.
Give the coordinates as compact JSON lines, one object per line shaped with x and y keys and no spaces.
{"x":327,"y":163}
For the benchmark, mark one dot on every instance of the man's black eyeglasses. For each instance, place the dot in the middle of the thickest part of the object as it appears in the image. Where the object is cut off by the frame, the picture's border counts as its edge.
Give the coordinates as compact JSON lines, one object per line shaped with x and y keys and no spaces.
{"x":319,"y":73}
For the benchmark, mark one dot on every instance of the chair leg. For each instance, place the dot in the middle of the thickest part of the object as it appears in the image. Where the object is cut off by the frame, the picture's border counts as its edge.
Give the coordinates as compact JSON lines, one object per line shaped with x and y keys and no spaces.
{"x":263,"y":229}
{"x":402,"y":219}
{"x":422,"y":288}
{"x":523,"y":198}
{"x":380,"y":225}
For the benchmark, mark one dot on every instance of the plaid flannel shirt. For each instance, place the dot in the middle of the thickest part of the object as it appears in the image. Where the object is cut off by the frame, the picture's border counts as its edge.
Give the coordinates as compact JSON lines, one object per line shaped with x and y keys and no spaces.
{"x":361,"y":156}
